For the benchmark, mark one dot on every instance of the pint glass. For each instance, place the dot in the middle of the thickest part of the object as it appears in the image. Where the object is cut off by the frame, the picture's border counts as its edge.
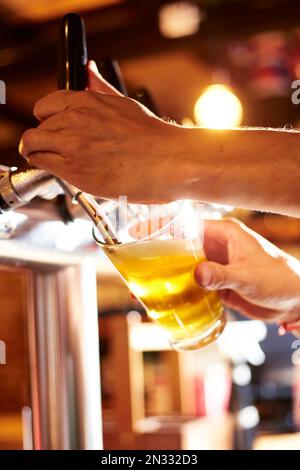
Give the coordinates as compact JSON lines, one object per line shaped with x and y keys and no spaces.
{"x":157,"y":259}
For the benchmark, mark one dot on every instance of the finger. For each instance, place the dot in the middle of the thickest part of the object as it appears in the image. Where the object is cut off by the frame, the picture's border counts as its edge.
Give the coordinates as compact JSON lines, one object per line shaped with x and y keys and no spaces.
{"x":221,"y":235}
{"x":216,"y":276}
{"x":50,"y":161}
{"x":97,"y":82}
{"x":234,"y":301}
{"x":40,"y":140}
{"x":57,"y":122}
{"x":222,"y":229}
{"x":216,"y":240}
{"x":54,"y":103}
{"x":61,"y":121}
{"x":289,"y":326}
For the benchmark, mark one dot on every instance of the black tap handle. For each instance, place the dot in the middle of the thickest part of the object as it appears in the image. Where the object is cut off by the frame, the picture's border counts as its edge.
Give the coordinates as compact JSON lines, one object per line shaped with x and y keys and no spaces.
{"x":72,"y":74}
{"x":72,"y":58}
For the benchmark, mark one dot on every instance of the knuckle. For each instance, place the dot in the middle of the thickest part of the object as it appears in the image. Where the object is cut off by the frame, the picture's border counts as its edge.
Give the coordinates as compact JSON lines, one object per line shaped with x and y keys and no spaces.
{"x":79,"y":95}
{"x":83,"y":115}
{"x":93,"y":94}
{"x":79,"y":117}
{"x":83,"y":97}
{"x":218,"y":278}
{"x":37,"y":160}
{"x":94,"y":98}
{"x":72,"y":165}
{"x":40,"y":103}
{"x":244,"y":280}
{"x":28,"y":136}
{"x":113,"y":100}
{"x":72,"y":116}
{"x":214,"y":277}
{"x":222,"y":277}
{"x":73,"y":143}
{"x":37,"y":107}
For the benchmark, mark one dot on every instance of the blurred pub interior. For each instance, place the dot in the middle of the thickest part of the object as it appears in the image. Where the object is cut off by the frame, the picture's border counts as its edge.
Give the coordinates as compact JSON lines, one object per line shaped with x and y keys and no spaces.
{"x":243,"y":392}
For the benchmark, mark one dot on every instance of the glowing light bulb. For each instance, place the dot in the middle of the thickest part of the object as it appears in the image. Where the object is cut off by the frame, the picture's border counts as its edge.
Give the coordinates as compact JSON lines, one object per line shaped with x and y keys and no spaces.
{"x":218,"y":108}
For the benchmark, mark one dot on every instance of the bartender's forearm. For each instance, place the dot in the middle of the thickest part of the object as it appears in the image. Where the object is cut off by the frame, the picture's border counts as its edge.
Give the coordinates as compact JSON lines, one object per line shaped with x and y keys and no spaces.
{"x":110,"y":145}
{"x":252,"y":168}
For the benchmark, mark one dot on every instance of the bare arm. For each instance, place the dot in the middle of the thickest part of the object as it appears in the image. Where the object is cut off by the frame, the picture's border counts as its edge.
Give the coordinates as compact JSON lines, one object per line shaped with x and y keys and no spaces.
{"x":109,"y":145}
{"x":252,"y":168}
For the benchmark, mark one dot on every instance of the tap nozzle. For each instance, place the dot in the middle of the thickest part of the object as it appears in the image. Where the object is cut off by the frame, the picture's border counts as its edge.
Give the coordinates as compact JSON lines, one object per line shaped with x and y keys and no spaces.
{"x":19,"y":187}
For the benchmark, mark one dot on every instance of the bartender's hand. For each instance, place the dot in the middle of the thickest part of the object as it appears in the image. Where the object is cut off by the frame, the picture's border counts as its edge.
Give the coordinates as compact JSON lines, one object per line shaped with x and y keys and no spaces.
{"x":252,"y":275}
{"x":102,"y":142}
{"x":109,"y":145}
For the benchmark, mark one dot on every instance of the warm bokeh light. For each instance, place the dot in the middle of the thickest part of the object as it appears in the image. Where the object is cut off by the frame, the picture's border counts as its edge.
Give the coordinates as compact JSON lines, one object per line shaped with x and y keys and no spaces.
{"x":218,"y":108}
{"x":178,"y":19}
{"x":45,"y":9}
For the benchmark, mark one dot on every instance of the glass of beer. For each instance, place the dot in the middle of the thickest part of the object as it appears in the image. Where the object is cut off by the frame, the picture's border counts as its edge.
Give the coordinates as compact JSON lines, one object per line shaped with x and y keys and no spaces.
{"x":157,"y":259}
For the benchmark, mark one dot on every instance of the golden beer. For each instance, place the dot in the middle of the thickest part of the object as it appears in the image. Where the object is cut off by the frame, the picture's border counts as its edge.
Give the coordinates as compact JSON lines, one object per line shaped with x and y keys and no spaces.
{"x":160,"y":273}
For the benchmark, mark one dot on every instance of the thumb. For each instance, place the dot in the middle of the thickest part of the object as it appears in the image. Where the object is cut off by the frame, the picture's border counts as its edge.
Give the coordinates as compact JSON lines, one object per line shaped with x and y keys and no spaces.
{"x":96,"y":81}
{"x":216,"y":276}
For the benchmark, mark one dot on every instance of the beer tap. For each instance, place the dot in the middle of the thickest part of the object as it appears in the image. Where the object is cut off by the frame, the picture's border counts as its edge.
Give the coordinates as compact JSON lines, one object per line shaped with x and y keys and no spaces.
{"x":19,"y":186}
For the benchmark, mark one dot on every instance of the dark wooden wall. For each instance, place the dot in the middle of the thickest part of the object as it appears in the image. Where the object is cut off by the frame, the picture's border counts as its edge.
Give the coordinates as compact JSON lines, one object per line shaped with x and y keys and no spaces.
{"x":14,"y":375}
